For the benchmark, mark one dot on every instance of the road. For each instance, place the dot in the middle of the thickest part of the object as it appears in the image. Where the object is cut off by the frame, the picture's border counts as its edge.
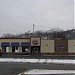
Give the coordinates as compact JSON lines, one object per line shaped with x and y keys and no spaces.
{"x":15,"y":68}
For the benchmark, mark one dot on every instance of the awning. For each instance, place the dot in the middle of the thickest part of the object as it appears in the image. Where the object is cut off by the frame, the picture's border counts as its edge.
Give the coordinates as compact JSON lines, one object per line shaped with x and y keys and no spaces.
{"x":15,"y":44}
{"x":5,"y":44}
{"x":25,"y":44}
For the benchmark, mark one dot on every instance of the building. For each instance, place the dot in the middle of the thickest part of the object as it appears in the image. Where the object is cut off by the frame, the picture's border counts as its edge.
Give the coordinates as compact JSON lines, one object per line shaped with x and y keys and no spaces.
{"x":37,"y":46}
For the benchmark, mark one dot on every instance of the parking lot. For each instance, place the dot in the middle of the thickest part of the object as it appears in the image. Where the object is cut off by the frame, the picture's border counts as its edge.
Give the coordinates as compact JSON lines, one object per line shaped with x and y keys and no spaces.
{"x":15,"y":68}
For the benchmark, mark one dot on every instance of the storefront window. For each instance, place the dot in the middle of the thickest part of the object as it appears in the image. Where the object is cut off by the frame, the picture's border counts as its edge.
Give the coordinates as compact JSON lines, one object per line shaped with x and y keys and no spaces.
{"x":4,"y":49}
{"x":16,"y":48}
{"x":25,"y":49}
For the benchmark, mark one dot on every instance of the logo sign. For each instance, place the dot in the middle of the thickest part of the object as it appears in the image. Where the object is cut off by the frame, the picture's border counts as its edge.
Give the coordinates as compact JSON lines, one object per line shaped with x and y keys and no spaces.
{"x":35,"y":42}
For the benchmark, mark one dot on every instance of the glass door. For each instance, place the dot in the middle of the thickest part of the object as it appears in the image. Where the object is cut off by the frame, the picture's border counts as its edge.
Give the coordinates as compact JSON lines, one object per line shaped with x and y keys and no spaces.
{"x":35,"y":51}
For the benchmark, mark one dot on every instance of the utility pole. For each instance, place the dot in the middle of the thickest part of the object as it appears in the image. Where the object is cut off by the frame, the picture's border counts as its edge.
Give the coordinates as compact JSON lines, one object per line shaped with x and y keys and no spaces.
{"x":28,"y":33}
{"x":33,"y":27}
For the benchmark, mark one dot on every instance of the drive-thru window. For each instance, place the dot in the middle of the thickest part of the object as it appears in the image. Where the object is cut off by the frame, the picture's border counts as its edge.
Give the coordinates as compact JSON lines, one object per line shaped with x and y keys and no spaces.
{"x":5,"y":46}
{"x":15,"y":46}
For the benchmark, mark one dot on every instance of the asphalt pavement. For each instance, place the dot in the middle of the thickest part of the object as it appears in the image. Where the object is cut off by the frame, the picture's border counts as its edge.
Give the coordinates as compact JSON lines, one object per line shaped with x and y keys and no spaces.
{"x":38,"y":57}
{"x":15,"y":68}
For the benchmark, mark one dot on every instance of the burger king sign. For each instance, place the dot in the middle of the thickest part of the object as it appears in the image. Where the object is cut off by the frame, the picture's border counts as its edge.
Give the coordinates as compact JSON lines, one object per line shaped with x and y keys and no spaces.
{"x":35,"y":42}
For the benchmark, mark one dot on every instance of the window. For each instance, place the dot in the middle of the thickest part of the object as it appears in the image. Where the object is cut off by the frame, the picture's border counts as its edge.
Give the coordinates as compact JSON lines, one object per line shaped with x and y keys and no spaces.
{"x":61,"y":47}
{"x":4,"y":49}
{"x":25,"y":49}
{"x":16,"y":48}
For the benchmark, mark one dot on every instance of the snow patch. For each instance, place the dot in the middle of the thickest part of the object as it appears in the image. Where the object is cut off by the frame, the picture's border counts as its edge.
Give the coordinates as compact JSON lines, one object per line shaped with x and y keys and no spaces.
{"x":43,"y":71}
{"x":22,"y":60}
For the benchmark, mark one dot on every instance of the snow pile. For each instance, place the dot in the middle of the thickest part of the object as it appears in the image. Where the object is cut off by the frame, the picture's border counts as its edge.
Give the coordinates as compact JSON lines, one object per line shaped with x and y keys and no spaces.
{"x":43,"y":71}
{"x":61,"y":61}
{"x":19,"y":60}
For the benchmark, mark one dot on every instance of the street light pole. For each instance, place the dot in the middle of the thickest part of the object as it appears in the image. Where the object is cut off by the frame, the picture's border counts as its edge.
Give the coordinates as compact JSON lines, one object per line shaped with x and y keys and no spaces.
{"x":33,"y":27}
{"x":28,"y":33}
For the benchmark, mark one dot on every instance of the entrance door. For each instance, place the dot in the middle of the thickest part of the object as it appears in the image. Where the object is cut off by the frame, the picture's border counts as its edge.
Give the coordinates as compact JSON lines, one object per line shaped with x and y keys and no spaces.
{"x":35,"y":50}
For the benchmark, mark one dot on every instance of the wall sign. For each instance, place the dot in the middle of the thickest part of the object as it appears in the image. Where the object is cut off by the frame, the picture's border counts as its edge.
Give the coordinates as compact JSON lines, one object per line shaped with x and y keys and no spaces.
{"x":35,"y":42}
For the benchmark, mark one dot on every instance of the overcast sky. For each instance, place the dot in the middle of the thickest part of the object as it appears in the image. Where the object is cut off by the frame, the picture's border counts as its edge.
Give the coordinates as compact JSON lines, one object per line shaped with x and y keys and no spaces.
{"x":18,"y":16}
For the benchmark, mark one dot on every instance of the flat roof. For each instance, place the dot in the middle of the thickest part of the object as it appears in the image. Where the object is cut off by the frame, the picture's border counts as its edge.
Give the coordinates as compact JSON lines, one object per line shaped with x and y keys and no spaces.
{"x":14,"y":38}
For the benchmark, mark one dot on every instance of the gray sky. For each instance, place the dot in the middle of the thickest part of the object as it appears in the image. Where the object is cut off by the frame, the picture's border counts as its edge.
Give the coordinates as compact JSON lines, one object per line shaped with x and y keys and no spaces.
{"x":18,"y":16}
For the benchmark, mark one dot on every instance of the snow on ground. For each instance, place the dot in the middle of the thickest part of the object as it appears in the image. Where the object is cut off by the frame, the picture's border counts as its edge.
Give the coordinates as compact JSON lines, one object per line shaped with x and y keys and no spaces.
{"x":59,"y":61}
{"x":43,"y":71}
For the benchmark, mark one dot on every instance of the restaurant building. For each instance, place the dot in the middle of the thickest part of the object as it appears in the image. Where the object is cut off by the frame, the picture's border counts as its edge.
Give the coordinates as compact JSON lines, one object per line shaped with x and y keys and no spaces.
{"x":37,"y":46}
